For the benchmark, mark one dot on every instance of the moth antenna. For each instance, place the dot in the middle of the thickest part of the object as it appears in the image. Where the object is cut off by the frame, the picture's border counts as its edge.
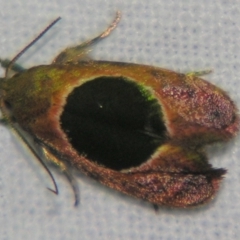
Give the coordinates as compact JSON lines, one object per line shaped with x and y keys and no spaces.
{"x":11,"y":63}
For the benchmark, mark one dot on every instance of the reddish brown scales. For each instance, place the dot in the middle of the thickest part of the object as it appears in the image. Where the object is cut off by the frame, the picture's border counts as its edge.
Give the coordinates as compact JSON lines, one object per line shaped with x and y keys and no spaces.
{"x":171,"y":168}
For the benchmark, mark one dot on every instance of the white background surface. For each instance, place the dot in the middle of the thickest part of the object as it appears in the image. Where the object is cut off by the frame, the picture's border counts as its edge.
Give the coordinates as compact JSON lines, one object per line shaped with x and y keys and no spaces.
{"x":183,"y":35}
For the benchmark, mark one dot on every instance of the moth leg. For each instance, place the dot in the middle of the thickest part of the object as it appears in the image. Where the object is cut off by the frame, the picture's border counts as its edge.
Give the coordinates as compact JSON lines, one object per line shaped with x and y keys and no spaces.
{"x":199,"y":73}
{"x":80,"y":52}
{"x":30,"y":143}
{"x":15,"y":67}
{"x":34,"y":148}
{"x":64,"y":168}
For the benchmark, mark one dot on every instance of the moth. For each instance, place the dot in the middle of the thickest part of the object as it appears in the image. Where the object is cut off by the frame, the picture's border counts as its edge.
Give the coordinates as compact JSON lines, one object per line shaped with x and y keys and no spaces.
{"x":135,"y":128}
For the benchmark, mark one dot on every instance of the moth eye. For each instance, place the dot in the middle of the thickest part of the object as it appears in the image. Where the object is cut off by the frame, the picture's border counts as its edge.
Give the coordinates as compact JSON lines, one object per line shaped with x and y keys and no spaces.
{"x":114,"y":121}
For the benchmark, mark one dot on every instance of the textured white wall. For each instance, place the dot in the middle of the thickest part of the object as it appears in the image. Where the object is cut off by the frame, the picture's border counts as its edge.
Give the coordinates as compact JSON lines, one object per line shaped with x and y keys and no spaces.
{"x":183,"y":35}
